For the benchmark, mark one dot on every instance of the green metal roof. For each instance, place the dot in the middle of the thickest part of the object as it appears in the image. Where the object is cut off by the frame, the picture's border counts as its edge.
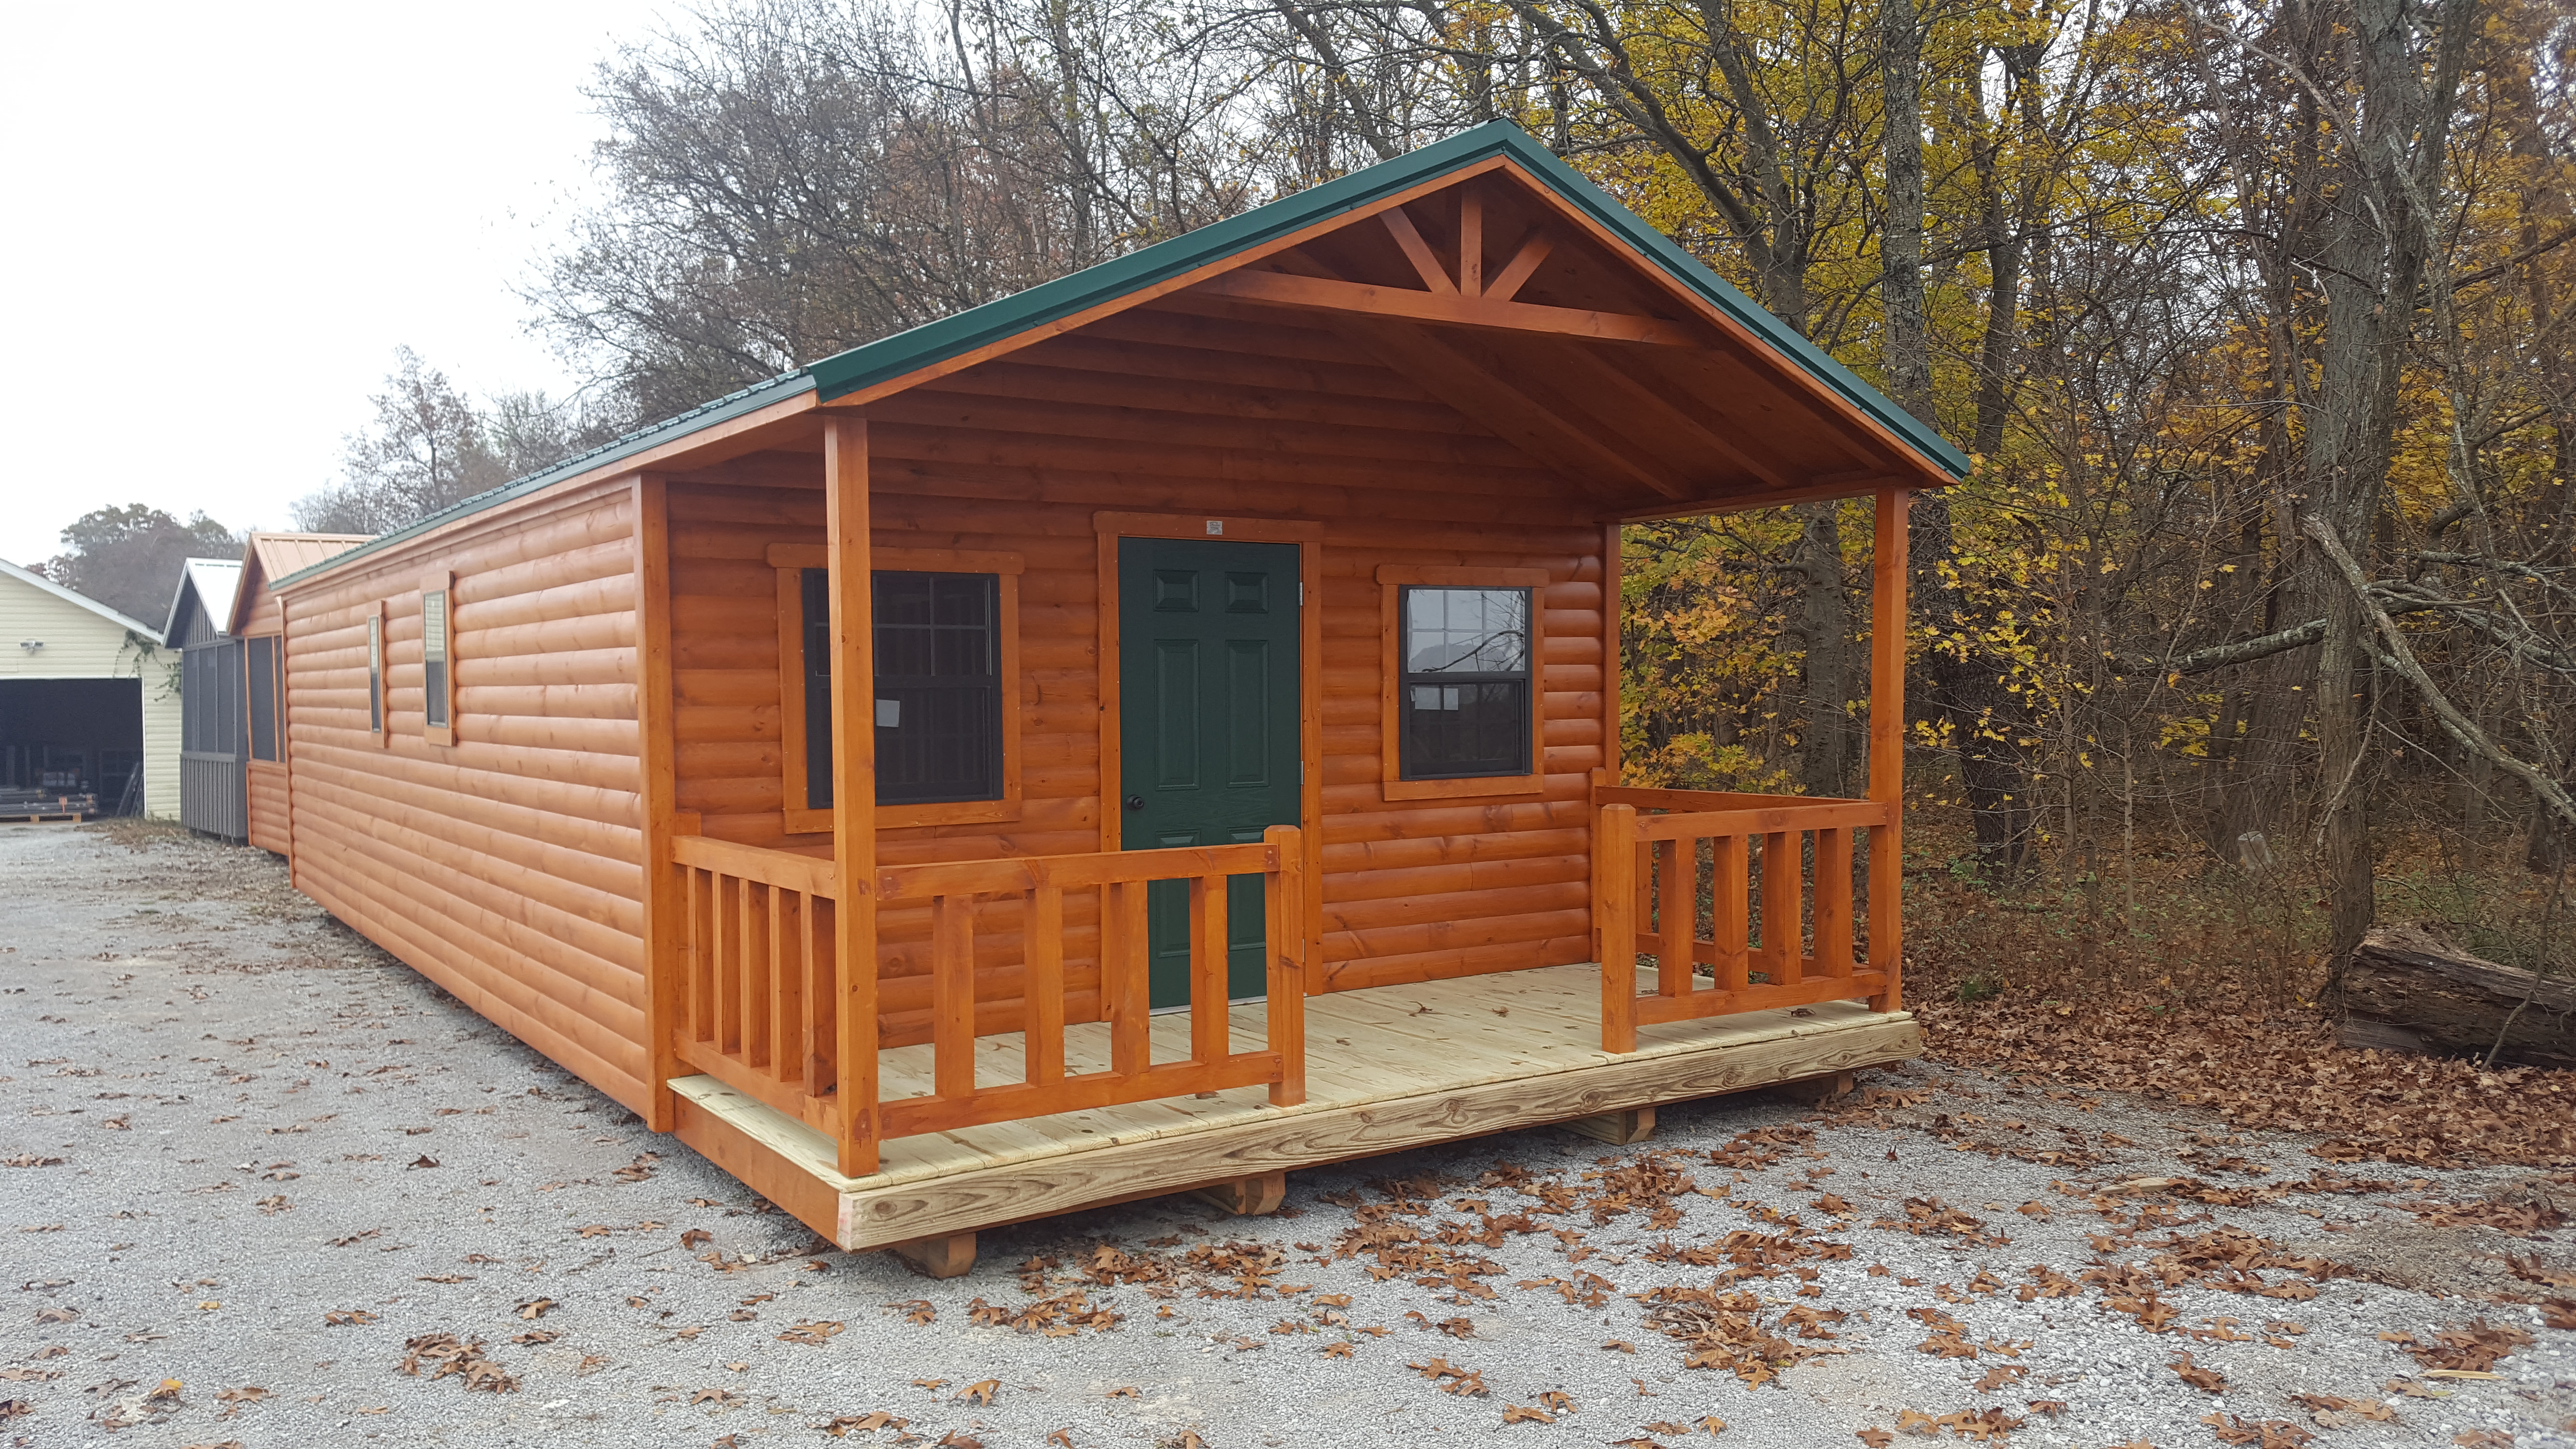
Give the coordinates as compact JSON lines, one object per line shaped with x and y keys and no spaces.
{"x":906,"y":352}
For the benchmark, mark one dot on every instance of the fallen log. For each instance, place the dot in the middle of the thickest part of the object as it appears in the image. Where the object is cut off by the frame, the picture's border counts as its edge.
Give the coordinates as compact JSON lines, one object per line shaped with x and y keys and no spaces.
{"x":2407,"y":991}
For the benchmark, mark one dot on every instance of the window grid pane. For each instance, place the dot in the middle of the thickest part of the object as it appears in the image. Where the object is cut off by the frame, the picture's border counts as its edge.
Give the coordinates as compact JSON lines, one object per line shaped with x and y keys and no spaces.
{"x":938,"y":696}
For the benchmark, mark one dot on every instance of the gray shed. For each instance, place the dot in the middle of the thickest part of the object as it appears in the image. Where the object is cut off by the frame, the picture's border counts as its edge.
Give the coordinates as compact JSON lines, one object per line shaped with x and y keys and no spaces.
{"x":214,"y":734}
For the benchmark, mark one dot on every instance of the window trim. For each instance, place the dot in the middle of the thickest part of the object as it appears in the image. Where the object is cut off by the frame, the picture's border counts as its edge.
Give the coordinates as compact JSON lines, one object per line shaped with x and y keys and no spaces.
{"x":1393,"y":580}
{"x":790,"y":560}
{"x":379,"y":703}
{"x":442,"y":584}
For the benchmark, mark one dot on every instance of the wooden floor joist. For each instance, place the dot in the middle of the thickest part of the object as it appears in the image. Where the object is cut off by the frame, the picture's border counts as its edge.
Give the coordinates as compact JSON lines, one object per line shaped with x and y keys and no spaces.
{"x":1619,"y":1129}
{"x":1388,"y":1068}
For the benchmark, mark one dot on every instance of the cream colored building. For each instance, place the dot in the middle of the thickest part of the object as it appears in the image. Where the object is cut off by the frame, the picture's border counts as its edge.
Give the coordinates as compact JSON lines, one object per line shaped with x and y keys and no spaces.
{"x":88,"y":698}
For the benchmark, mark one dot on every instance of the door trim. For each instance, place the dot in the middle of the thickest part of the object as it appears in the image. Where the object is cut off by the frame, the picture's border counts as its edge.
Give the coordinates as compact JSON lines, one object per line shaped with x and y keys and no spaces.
{"x":1308,"y":537}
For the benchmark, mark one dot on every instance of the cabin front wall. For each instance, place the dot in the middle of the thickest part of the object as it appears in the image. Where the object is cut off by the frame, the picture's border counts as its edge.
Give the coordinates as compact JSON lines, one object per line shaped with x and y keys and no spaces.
{"x":506,"y":866}
{"x":1185,"y":416}
{"x":264,"y":781}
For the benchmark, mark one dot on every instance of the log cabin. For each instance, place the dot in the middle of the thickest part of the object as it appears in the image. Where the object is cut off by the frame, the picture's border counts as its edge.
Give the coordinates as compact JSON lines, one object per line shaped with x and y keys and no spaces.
{"x":1189,"y":687}
{"x":257,"y":619}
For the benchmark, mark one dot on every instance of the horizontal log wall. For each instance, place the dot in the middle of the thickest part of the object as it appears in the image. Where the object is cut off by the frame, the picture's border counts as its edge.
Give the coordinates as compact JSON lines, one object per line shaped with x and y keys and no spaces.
{"x":506,"y":867}
{"x":268,"y":828}
{"x":1162,"y":412}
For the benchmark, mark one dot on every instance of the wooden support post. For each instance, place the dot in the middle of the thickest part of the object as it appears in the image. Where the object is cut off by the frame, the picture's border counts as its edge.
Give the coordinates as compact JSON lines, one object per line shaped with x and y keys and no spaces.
{"x":1887,"y":747}
{"x":1614,"y":906}
{"x":1247,"y":1197}
{"x":1784,"y":880}
{"x":1633,"y":1124}
{"x":1676,"y":914}
{"x":1288,"y":943}
{"x":854,"y":795}
{"x":950,"y":1256}
{"x":666,"y":906}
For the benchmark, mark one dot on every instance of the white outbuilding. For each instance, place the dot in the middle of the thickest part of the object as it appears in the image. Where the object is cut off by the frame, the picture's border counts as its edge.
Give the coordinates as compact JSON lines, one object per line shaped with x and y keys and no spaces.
{"x":89,"y":706}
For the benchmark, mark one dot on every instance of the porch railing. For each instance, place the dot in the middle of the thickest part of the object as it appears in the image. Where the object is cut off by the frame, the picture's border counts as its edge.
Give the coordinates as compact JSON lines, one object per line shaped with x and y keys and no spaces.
{"x":1775,"y":905}
{"x":759,"y":969}
{"x":1122,"y":878}
{"x":761,"y":981}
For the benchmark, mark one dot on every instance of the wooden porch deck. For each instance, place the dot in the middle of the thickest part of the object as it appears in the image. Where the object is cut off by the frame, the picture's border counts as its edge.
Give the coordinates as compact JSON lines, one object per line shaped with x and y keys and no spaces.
{"x":1387,"y":1068}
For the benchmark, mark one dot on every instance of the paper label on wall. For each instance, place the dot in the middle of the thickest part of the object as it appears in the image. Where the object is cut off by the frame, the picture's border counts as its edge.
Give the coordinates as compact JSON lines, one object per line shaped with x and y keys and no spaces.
{"x":889,"y":714}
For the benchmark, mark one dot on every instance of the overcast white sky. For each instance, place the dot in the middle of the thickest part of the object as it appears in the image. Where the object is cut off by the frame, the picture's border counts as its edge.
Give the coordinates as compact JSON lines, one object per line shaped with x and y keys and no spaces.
{"x":222,"y":220}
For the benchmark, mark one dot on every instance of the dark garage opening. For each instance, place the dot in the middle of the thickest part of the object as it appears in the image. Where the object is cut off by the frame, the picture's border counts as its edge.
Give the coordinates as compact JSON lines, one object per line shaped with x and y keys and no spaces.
{"x":71,"y":745}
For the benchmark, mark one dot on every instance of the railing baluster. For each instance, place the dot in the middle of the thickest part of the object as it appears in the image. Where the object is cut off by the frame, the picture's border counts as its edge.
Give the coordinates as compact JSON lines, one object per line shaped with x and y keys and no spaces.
{"x":701,"y":963}
{"x":1123,"y":978}
{"x":787,"y":986}
{"x":1783,"y":891}
{"x":1834,"y":902}
{"x":1042,"y":995}
{"x":1676,"y":914}
{"x":822,"y":997}
{"x":728,"y":993}
{"x":1731,"y":886}
{"x":755,"y":973}
{"x":1615,"y":852}
{"x":952,"y":995}
{"x":1210,"y":965}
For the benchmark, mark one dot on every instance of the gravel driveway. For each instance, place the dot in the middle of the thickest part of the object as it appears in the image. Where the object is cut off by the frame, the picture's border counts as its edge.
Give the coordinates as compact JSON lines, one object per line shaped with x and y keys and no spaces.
{"x":257,"y":1169}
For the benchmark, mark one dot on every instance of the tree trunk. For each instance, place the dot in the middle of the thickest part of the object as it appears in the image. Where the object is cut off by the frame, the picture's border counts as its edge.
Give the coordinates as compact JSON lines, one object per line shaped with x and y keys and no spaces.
{"x":2406,"y":991}
{"x":1827,"y":669}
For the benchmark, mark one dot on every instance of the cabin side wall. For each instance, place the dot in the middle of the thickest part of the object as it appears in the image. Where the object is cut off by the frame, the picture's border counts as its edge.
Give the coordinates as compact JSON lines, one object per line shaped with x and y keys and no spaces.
{"x":1187,"y":416}
{"x":506,"y":867}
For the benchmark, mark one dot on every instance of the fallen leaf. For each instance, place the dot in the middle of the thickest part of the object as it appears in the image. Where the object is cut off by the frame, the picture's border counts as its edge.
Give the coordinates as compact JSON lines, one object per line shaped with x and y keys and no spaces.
{"x":1875,"y":1438}
{"x":535,"y":1307}
{"x":1517,"y":1414}
{"x":979,"y":1392}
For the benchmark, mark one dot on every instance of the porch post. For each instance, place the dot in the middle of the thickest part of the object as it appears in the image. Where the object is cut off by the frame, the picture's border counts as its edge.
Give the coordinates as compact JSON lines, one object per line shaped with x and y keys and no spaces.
{"x":1887,"y":746}
{"x":854,"y":785}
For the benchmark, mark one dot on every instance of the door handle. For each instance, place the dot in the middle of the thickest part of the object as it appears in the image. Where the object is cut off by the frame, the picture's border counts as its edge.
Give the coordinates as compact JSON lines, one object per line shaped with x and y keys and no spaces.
{"x":1135,"y":802}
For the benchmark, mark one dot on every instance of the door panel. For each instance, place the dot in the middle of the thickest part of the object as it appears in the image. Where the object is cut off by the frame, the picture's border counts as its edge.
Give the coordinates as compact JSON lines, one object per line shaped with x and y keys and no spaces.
{"x":1208,"y":727}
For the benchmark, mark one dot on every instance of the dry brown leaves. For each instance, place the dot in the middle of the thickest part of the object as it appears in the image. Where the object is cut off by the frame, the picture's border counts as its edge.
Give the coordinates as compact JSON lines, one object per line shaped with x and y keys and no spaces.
{"x":444,"y":1354}
{"x":2262,"y":1434}
{"x":1451,"y":1378}
{"x":2473,"y":1348}
{"x":2281,"y":1071}
{"x":2519,"y":1220}
{"x":1988,"y":1424}
{"x":844,"y":1425}
{"x":1725,"y":1330}
{"x":2207,"y":1380}
{"x":2334,"y":1411}
{"x":1059,"y":1317}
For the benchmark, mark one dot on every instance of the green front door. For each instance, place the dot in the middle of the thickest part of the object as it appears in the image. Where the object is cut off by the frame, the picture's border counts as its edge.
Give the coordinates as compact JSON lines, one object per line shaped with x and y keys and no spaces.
{"x":1207,"y":690}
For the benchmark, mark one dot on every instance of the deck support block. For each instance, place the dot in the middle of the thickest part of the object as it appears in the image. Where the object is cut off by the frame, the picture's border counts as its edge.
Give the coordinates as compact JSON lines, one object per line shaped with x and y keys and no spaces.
{"x":950,"y":1255}
{"x":1619,"y":1129}
{"x":1818,"y":1090}
{"x":1247,"y":1197}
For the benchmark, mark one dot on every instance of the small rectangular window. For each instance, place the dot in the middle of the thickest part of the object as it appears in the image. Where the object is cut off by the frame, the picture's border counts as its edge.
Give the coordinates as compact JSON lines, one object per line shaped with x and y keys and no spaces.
{"x":938,"y":714}
{"x":376,"y":674}
{"x":263,"y":697}
{"x":437,"y":699}
{"x":1465,"y":701}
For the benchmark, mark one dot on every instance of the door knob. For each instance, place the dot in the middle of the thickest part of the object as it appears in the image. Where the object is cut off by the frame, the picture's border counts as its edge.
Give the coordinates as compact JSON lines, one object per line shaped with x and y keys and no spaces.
{"x":1135,"y":802}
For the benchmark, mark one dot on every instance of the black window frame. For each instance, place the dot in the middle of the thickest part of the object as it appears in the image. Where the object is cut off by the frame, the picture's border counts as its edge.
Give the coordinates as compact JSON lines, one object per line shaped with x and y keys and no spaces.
{"x":1517,"y":685}
{"x":259,"y":666}
{"x":980,"y":696}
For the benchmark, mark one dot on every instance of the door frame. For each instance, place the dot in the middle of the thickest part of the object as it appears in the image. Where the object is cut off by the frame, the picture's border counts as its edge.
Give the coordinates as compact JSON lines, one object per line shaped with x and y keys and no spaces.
{"x":1308,"y":537}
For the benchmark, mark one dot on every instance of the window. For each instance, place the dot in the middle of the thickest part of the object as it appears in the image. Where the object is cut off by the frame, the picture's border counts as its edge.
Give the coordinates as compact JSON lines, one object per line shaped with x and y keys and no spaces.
{"x":1462,"y":696}
{"x":946,"y":641}
{"x":1466,"y":683}
{"x":263,"y":697}
{"x":938,"y":693}
{"x":376,"y":674}
{"x":437,"y":673}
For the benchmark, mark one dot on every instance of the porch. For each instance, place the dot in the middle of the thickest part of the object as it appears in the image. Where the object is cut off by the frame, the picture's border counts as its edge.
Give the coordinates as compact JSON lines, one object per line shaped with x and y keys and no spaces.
{"x":1738,"y":945}
{"x":1386,"y":1068}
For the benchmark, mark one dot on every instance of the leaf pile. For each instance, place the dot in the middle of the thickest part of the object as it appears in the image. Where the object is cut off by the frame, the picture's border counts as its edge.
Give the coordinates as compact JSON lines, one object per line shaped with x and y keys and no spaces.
{"x":1726,"y":1330}
{"x":444,"y":1354}
{"x":2283,"y":1072}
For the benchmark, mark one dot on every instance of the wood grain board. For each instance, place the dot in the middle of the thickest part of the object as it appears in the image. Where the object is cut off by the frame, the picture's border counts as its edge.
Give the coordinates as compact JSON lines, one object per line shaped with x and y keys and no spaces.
{"x":1387,"y":1068}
